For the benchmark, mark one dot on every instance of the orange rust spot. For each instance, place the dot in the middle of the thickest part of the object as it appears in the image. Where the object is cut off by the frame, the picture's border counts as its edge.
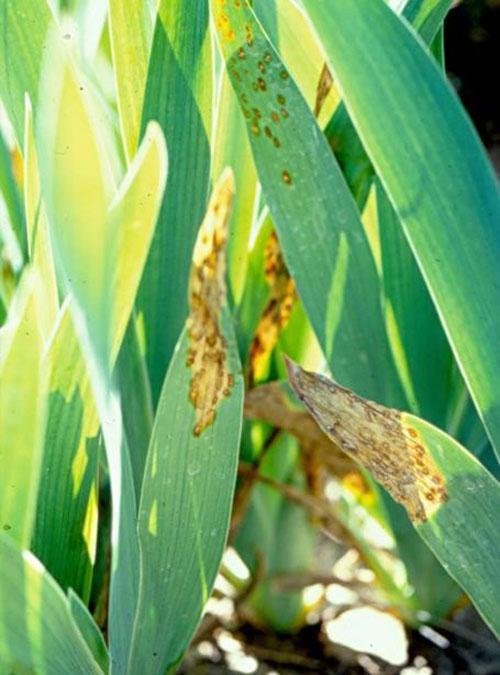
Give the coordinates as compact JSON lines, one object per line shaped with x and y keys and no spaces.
{"x":262,"y":85}
{"x":286,"y":177}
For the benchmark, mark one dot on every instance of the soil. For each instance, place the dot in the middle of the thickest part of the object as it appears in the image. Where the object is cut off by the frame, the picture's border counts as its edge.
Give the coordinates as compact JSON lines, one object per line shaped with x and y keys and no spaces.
{"x":463,"y":646}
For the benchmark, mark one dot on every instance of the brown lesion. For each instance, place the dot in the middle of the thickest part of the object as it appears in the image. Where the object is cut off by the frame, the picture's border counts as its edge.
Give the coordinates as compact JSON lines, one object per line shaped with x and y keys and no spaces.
{"x":377,"y":438}
{"x":276,"y":314}
{"x":324,"y":87}
{"x":211,"y":380}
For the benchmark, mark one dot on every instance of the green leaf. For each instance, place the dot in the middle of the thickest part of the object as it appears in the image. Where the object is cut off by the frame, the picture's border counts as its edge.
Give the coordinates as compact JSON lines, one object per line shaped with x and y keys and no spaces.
{"x":101,"y":241}
{"x":426,"y":16}
{"x":89,"y":630}
{"x":463,"y":534}
{"x":178,"y":95}
{"x":66,"y":515}
{"x":136,"y":402}
{"x":413,"y":326}
{"x":132,"y":219}
{"x":9,"y":190}
{"x":37,"y":630}
{"x":435,"y":172}
{"x":131,"y":29}
{"x":22,"y":412}
{"x":184,"y":513}
{"x":415,"y":334}
{"x":76,"y":190}
{"x":233,"y":149}
{"x":38,"y":235}
{"x":23,"y":29}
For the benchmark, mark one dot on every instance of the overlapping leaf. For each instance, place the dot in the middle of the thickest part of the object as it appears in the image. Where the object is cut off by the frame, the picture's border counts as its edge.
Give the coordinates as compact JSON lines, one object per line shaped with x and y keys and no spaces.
{"x":37,"y":631}
{"x":179,"y":96}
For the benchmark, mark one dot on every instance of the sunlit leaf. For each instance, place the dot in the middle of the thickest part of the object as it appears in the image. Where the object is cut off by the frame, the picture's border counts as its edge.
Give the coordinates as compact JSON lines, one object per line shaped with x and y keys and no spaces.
{"x":22,"y":412}
{"x":37,"y":631}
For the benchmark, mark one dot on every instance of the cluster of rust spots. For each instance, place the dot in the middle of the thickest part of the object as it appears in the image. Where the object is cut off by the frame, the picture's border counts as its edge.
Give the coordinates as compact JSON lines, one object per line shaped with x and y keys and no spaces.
{"x":376,"y":437}
{"x":276,"y":314}
{"x":211,"y":380}
{"x":240,"y":69}
{"x":223,"y":23}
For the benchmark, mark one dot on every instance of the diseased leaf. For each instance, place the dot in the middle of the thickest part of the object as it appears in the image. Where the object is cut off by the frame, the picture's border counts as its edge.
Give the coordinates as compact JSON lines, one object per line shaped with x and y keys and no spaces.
{"x":316,"y":218}
{"x":376,"y":437}
{"x":268,"y":403}
{"x":211,"y":380}
{"x":189,"y":477}
{"x":276,"y":313}
{"x":291,"y":34}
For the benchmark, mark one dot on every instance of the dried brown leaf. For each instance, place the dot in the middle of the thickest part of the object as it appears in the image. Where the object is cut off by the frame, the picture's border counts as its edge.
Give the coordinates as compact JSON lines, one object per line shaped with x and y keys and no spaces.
{"x":378,"y":438}
{"x":211,"y":380}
